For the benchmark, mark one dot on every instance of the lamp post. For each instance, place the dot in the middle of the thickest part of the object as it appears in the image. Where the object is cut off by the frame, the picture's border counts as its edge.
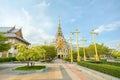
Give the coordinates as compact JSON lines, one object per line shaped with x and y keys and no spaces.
{"x":94,"y":41}
{"x":83,"y":41}
{"x":78,"y":55}
{"x":71,"y":54}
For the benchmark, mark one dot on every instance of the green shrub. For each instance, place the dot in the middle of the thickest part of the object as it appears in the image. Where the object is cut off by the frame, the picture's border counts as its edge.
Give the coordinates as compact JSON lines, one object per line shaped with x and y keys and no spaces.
{"x":105,"y":68}
{"x":67,"y":59}
{"x":104,"y":62}
{"x":74,"y":60}
{"x":117,"y":59}
{"x":7,"y":59}
{"x":97,"y":62}
{"x":113,"y":63}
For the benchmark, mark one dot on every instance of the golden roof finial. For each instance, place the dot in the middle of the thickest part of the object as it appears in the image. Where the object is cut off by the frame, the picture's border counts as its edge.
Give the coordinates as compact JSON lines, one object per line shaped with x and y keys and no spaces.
{"x":59,"y":26}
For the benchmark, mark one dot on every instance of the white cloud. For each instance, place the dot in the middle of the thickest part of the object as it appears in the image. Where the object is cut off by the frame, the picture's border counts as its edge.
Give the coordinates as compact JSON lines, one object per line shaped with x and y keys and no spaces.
{"x":26,"y":15}
{"x":33,"y":31}
{"x":37,"y":32}
{"x":43,"y":5}
{"x":109,"y":27}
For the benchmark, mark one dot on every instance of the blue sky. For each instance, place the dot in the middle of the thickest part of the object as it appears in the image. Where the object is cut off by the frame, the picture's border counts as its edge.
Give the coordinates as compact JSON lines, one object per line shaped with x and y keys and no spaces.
{"x":39,"y":19}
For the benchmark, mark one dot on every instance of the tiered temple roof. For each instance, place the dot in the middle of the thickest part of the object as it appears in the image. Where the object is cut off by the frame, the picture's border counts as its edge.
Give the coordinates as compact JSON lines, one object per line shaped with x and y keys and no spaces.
{"x":12,"y":32}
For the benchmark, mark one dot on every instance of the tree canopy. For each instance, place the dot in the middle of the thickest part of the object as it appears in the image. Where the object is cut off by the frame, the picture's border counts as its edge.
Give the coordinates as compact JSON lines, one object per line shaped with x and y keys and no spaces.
{"x":29,"y":53}
{"x":101,"y":49}
{"x":4,"y":44}
{"x":50,"y":53}
{"x":115,"y":53}
{"x":90,"y":51}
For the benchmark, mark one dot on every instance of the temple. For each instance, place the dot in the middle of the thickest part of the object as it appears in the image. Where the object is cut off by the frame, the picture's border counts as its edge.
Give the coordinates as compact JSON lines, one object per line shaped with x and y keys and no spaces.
{"x":60,"y":43}
{"x":14,"y":36}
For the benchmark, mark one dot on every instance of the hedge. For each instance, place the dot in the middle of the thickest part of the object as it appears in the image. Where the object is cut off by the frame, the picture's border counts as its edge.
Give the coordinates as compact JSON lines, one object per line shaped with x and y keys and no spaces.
{"x":105,"y":62}
{"x":113,"y":63}
{"x":105,"y":68}
{"x":69,"y":60}
{"x":7,"y":59}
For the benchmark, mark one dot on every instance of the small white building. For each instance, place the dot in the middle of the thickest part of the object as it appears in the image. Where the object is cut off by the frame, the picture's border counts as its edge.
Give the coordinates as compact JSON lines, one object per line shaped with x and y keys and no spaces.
{"x":15,"y":36}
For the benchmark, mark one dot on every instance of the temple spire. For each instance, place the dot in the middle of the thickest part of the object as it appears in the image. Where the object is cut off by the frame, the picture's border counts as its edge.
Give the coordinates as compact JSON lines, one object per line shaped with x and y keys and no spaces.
{"x":59,"y":32}
{"x":59,"y":26}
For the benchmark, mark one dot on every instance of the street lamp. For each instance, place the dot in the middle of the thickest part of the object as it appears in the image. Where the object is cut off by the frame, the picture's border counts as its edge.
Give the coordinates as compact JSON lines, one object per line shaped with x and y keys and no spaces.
{"x":78,"y":55}
{"x":83,"y":41}
{"x":94,"y":41}
{"x":71,"y":54}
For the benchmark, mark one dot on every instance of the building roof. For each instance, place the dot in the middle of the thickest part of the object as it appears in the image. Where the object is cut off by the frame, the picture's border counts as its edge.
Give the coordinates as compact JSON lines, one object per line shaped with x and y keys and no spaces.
{"x":12,"y":32}
{"x":4,"y":29}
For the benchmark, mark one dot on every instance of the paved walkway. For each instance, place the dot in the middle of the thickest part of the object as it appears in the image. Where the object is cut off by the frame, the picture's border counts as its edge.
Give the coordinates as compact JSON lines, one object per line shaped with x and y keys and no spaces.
{"x":55,"y":72}
{"x":59,"y":70}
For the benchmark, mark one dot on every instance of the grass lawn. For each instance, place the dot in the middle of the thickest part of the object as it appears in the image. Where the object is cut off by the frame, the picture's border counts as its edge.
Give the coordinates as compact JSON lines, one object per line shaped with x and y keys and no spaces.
{"x":30,"y":68}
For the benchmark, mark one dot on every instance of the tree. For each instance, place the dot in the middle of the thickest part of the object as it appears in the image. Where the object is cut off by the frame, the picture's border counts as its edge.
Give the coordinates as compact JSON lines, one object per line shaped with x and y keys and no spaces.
{"x":81,"y":52}
{"x":101,"y":49}
{"x":29,"y":54}
{"x":50,"y":53}
{"x":115,"y":53}
{"x":4,"y":44}
{"x":75,"y":53}
{"x":90,"y":51}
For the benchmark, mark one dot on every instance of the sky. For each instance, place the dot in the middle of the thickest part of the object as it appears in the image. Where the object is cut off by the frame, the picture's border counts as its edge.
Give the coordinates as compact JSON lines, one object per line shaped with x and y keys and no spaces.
{"x":39,"y":19}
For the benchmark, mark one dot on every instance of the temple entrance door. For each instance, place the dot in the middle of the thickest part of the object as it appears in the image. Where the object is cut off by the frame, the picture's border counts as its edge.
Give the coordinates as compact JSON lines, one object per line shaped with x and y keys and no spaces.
{"x":58,"y":57}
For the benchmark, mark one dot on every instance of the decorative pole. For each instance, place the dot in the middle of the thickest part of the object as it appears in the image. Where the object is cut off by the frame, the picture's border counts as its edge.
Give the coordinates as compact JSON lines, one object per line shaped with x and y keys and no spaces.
{"x":83,"y":40}
{"x":78,"y":55}
{"x":71,"y":54}
{"x":94,"y":41}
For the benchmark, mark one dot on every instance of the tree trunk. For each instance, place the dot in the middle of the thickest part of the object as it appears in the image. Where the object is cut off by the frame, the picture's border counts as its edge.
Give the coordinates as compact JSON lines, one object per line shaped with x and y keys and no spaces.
{"x":32,"y":63}
{"x":44,"y":57}
{"x":28,"y":64}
